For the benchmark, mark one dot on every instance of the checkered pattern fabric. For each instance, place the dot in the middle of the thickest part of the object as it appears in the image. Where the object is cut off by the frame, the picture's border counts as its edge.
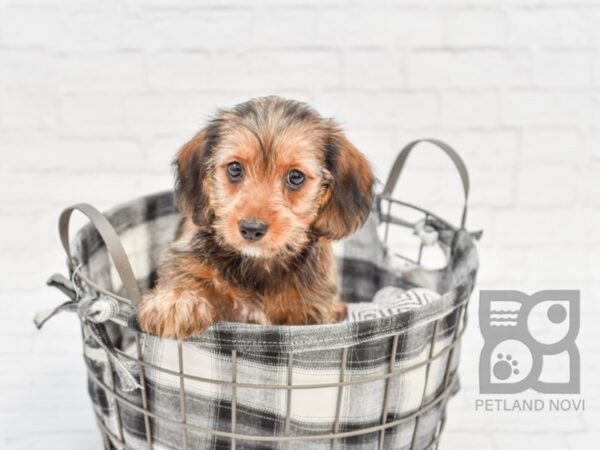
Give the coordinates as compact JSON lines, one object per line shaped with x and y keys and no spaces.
{"x":421,"y":321}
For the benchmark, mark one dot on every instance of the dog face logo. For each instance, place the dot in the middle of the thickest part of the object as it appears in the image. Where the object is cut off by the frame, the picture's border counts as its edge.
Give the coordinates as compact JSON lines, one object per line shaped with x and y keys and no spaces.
{"x":269,"y":175}
{"x":528,"y":340}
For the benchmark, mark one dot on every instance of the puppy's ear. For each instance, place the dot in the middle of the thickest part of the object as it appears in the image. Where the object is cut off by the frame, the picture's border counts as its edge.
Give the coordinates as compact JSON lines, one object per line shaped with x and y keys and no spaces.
{"x":191,"y":194}
{"x":349,"y":195}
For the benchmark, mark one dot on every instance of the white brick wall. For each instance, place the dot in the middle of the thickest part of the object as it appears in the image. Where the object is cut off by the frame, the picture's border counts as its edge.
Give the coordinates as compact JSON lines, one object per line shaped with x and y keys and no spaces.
{"x":96,"y":96}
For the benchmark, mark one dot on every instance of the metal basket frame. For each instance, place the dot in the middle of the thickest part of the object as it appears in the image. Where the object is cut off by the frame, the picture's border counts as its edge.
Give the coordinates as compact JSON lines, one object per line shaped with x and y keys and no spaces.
{"x":450,"y":378}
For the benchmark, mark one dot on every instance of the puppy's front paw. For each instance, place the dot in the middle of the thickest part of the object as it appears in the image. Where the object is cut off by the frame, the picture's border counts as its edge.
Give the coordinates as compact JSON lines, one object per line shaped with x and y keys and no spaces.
{"x":175,"y":314}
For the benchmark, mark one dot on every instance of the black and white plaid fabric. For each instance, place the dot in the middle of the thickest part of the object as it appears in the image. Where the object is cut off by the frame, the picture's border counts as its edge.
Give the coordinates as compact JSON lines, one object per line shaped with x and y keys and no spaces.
{"x":263,"y":353}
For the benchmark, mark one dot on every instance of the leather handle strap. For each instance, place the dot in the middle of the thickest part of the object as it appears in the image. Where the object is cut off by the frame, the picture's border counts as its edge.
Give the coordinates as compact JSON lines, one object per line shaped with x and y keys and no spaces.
{"x":392,"y":179}
{"x":113,"y":245}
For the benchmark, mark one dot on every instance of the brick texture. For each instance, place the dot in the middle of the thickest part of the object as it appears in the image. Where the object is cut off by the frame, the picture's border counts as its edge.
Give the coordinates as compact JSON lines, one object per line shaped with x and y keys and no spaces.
{"x":96,"y":96}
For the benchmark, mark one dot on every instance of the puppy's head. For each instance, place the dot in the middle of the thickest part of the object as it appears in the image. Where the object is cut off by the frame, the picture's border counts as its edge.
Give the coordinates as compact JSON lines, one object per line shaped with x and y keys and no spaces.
{"x":269,"y":175}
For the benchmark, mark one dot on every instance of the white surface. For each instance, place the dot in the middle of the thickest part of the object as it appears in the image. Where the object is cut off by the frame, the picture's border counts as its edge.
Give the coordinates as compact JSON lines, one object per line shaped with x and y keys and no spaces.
{"x":96,"y":96}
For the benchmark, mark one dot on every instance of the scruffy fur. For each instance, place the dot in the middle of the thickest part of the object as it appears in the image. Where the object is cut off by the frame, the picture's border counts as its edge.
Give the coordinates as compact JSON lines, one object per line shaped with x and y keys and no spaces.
{"x":211,"y":272}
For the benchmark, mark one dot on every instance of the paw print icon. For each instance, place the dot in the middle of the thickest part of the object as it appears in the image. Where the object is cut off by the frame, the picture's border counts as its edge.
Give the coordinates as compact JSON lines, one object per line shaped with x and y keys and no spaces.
{"x":505,"y":367}
{"x":529,"y":342}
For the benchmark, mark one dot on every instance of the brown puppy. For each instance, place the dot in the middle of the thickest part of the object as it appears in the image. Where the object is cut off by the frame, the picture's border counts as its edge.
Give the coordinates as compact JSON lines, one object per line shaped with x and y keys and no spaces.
{"x":263,"y":189}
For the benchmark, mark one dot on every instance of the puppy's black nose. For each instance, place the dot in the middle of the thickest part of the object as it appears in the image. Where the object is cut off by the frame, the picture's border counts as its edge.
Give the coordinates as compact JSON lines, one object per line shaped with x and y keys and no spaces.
{"x":253,"y":229}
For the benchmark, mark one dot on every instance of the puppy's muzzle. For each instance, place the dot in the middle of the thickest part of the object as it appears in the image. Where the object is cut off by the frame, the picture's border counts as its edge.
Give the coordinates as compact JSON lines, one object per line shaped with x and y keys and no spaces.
{"x":253,"y":229}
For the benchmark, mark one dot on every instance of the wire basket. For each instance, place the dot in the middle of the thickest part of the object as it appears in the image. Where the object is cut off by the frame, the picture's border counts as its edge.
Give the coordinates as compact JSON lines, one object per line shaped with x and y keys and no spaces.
{"x":378,"y":383}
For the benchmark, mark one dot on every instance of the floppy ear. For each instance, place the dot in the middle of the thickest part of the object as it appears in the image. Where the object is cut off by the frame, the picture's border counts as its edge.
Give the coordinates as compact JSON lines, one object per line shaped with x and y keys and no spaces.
{"x":190,"y":179}
{"x":347,"y":201}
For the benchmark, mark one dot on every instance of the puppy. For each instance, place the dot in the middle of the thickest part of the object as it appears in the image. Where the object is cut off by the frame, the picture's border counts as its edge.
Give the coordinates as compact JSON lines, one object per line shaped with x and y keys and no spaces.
{"x":263,"y":189}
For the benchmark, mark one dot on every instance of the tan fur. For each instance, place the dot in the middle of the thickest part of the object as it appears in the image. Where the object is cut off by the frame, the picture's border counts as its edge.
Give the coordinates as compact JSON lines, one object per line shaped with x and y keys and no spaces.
{"x":288,"y":277}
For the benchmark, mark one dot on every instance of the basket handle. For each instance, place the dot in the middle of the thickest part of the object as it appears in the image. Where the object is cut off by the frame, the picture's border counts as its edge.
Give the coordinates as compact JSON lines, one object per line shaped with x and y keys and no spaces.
{"x":392,"y":179}
{"x":113,"y":245}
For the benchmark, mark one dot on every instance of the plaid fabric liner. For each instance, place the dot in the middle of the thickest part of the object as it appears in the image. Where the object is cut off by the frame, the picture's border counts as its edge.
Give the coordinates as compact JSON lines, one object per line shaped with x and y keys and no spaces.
{"x":147,"y":225}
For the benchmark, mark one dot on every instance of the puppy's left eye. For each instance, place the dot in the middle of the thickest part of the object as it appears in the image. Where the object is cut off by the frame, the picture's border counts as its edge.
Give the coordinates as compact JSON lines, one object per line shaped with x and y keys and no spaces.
{"x":295,"y":178}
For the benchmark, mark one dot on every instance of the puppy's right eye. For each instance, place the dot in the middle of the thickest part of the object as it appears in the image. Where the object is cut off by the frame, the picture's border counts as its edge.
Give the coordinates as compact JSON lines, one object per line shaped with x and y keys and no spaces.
{"x":235,"y":171}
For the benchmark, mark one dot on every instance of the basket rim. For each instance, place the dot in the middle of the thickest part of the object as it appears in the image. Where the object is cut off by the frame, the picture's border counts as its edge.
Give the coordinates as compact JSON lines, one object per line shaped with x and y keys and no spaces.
{"x":256,"y":337}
